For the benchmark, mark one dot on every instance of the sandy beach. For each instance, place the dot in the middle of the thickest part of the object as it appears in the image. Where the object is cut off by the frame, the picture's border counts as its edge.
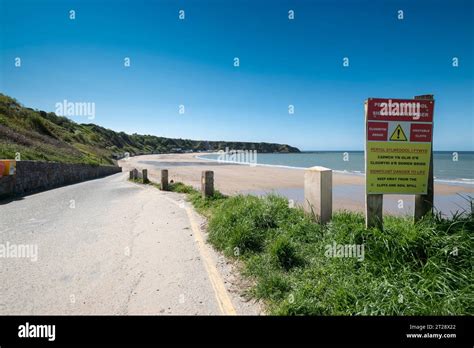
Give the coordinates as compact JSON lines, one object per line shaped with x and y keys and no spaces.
{"x":230,"y":179}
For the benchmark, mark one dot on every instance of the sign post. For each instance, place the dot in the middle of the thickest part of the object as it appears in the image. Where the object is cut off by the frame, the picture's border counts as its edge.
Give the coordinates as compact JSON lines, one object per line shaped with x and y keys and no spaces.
{"x":398,"y":151}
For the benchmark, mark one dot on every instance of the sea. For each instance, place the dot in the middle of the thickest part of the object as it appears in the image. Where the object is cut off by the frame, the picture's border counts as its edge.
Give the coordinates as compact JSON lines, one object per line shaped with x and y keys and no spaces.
{"x":449,"y":166}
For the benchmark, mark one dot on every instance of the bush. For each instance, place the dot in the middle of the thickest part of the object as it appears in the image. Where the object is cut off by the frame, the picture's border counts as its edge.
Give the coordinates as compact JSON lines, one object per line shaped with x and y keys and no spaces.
{"x":181,"y":188}
{"x":244,"y":223}
{"x":283,"y":252}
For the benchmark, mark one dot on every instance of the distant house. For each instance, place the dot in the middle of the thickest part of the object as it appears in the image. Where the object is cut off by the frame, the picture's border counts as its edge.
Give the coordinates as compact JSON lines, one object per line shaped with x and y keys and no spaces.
{"x":176,"y":150}
{"x":120,"y":155}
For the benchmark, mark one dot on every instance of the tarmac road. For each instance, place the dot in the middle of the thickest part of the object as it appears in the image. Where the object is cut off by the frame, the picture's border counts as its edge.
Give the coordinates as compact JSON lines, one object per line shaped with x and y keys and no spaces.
{"x":109,"y":246}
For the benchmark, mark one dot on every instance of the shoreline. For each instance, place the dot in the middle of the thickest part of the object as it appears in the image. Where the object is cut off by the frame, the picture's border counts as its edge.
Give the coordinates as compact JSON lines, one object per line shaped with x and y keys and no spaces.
{"x":456,"y":182}
{"x":232,"y":179}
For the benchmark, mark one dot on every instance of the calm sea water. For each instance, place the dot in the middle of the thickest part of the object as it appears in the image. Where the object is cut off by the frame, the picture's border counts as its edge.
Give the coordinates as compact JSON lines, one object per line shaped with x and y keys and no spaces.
{"x":446,"y":167}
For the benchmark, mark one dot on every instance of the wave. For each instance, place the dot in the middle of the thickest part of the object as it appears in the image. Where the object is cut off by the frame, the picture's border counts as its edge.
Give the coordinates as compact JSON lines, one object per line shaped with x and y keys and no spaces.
{"x":459,"y":181}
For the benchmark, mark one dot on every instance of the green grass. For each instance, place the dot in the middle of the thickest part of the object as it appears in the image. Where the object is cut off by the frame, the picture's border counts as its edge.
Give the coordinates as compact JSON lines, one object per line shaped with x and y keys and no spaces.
{"x":139,"y":181}
{"x":422,"y":268}
{"x":44,"y":136}
{"x":203,"y":206}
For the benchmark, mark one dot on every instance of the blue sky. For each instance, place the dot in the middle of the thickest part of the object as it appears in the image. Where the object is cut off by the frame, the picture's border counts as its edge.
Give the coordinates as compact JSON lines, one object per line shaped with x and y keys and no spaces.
{"x":282,"y":62}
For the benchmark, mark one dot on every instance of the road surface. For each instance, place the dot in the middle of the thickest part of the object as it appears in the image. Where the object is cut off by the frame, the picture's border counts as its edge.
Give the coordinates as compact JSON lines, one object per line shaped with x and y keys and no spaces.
{"x":109,"y":246}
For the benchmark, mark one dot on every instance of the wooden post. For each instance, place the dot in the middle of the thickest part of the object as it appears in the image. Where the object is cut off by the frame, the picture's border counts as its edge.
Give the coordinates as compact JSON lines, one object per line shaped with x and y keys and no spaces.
{"x":145,"y":176}
{"x":131,"y":175}
{"x":207,"y":183}
{"x":164,"y":179}
{"x":318,"y":193}
{"x":424,"y":203}
{"x":374,"y":211}
{"x":134,"y":174}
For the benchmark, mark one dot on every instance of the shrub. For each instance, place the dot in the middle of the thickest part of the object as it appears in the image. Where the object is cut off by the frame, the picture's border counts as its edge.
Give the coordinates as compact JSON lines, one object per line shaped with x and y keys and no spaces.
{"x":283,"y":252}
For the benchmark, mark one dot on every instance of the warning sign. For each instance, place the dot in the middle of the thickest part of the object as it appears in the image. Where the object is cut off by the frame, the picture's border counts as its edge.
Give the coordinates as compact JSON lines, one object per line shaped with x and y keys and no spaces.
{"x":398,"y":145}
{"x":398,"y":134}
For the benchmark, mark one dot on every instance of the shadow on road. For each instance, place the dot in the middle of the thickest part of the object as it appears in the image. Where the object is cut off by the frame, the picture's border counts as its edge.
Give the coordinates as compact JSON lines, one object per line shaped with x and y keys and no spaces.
{"x":10,"y":199}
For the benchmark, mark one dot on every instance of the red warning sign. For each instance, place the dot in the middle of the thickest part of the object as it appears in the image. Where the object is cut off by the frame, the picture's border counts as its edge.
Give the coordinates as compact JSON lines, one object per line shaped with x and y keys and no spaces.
{"x":421,"y":132}
{"x":398,"y":145}
{"x":409,"y":110}
{"x":399,"y":120}
{"x":377,"y":130}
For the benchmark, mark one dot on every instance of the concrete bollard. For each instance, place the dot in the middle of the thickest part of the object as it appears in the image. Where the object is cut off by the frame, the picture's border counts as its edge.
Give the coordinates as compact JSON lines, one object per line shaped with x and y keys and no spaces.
{"x":164,"y":179}
{"x":145,"y":175}
{"x":207,"y":183}
{"x":318,"y":193}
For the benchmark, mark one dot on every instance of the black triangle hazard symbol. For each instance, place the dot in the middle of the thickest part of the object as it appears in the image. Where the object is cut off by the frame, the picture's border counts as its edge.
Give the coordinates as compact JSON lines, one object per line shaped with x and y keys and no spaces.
{"x":398,"y":134}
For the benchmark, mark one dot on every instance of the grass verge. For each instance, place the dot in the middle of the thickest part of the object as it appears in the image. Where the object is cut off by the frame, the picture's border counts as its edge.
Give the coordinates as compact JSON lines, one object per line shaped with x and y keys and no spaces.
{"x":422,"y":268}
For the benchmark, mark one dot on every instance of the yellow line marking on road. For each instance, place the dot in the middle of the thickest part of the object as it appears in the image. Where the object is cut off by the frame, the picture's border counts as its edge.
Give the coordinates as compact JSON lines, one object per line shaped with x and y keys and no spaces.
{"x":220,"y":291}
{"x":222,"y":297}
{"x":225,"y":304}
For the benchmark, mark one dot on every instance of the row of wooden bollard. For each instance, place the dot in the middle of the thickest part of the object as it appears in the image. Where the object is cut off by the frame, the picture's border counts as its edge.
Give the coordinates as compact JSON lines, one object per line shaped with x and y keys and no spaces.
{"x":136,"y":175}
{"x":317,"y":189}
{"x":207,"y":180}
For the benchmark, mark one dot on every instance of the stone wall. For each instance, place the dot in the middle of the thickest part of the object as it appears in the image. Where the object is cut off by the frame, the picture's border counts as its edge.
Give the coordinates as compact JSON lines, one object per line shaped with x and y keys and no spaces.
{"x":34,"y":176}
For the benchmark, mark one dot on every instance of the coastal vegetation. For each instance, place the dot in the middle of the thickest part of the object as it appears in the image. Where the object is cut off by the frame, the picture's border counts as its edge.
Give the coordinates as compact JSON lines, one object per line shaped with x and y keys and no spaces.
{"x":422,"y":268}
{"x":40,"y":135}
